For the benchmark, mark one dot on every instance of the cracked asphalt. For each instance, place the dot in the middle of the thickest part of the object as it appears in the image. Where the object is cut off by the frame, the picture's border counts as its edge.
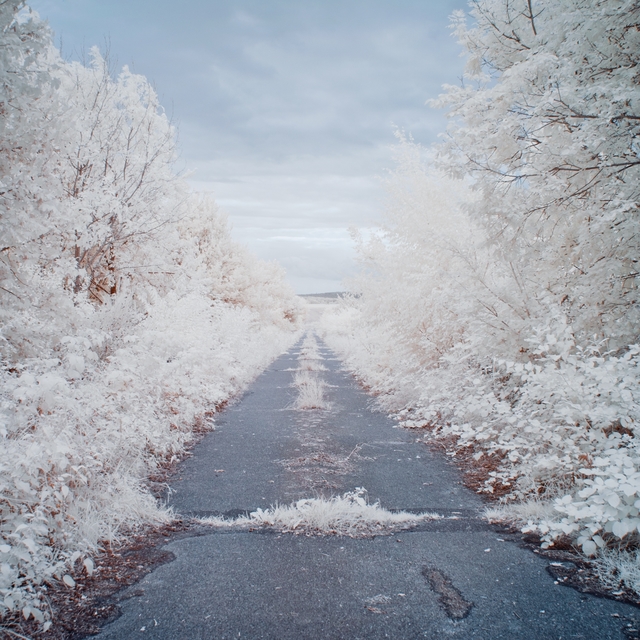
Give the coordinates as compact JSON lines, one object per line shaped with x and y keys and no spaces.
{"x":457,"y":577}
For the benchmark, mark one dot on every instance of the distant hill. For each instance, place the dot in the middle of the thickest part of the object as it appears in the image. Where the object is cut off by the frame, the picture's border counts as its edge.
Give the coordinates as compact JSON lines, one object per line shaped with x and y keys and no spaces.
{"x":332,"y":294}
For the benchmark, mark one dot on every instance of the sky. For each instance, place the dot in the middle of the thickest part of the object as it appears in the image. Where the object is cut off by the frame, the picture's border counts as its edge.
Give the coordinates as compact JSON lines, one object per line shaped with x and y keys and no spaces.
{"x":285,"y":109}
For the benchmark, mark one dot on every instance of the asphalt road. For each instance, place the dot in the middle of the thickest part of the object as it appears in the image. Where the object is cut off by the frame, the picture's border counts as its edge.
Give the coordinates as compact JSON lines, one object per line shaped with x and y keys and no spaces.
{"x":457,"y":577}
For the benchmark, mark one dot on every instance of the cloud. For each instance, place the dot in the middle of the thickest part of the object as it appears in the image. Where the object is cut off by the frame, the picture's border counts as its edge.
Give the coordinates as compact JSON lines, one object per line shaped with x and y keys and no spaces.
{"x":285,"y":109}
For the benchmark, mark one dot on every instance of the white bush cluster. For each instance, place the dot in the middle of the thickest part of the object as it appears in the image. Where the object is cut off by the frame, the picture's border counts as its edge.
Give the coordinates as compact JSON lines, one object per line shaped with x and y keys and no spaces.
{"x":127,"y":314}
{"x":500,"y":302}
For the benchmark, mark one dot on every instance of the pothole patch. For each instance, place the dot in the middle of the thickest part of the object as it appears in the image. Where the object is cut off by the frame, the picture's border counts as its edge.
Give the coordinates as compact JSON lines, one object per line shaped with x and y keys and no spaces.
{"x":450,"y":599}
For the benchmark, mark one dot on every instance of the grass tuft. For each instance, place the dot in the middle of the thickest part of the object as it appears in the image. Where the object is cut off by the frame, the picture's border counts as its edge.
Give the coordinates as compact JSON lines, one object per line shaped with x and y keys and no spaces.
{"x":619,"y":569}
{"x":346,"y":515}
{"x":310,"y":391}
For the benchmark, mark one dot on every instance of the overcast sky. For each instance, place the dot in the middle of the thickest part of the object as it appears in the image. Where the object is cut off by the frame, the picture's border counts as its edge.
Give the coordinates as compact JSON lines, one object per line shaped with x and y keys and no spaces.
{"x":285,"y":108}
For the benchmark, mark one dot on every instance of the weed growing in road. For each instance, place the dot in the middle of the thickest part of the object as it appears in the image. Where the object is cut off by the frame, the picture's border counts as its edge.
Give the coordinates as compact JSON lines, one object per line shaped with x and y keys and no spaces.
{"x":311,"y":365}
{"x":310,"y":391}
{"x":309,"y":358}
{"x":347,"y":515}
{"x":308,"y":382}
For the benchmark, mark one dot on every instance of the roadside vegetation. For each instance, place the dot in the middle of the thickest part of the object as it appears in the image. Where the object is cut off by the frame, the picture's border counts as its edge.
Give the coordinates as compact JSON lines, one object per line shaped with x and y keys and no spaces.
{"x":127,"y":314}
{"x":497,"y":309}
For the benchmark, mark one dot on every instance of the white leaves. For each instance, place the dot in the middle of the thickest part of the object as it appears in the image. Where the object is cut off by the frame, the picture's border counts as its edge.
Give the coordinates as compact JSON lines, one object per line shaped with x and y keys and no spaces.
{"x":76,"y":365}
{"x":28,"y":611}
{"x":613,"y":499}
{"x":88,"y":565}
{"x":625,"y":526}
{"x":473,"y":68}
{"x":69,"y":581}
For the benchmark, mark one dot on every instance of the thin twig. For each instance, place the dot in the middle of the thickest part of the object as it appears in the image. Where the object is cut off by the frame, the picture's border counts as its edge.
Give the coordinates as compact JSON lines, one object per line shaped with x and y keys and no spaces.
{"x":15,"y":633}
{"x":355,"y":450}
{"x":530,"y":16}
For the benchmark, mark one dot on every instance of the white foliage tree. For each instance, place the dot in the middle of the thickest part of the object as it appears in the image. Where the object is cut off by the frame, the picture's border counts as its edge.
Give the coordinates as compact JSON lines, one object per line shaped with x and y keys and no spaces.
{"x":127,"y":314}
{"x":548,"y":128}
{"x":510,"y":320}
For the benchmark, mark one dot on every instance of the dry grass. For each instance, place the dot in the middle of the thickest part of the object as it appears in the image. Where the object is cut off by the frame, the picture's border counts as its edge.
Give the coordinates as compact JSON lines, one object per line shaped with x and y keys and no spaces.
{"x":311,"y":364}
{"x":310,"y":391}
{"x":619,"y":569}
{"x":347,"y":515}
{"x":519,"y":513}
